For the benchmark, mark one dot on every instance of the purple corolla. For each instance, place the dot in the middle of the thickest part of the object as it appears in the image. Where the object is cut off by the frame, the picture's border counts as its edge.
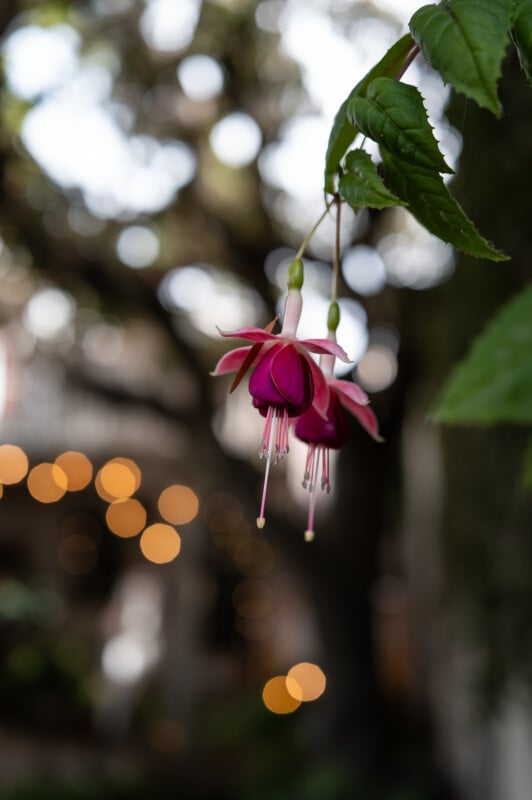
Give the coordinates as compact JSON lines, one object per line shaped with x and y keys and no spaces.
{"x":285,"y":381}
{"x":325,"y":432}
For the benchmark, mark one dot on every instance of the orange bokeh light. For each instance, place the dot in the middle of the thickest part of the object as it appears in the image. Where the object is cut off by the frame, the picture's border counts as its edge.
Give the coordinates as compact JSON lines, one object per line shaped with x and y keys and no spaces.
{"x":160,"y":543}
{"x":310,"y":680}
{"x":118,"y":478}
{"x":178,"y":504}
{"x":47,"y":483}
{"x":77,"y":468}
{"x":13,"y":464}
{"x":126,"y":517}
{"x":276,"y":695}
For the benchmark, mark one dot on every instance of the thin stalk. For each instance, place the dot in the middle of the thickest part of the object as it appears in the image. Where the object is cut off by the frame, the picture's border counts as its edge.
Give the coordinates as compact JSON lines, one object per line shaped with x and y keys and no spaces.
{"x":336,"y":259}
{"x":313,"y":230}
{"x":406,"y":63}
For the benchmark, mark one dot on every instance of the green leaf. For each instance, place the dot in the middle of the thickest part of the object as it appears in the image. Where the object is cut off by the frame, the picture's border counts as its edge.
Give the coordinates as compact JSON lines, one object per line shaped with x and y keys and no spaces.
{"x":433,"y":206}
{"x":362,"y":186}
{"x":343,"y":132}
{"x":494,"y":382}
{"x":392,"y":113}
{"x":522,"y":34}
{"x":465,"y":40}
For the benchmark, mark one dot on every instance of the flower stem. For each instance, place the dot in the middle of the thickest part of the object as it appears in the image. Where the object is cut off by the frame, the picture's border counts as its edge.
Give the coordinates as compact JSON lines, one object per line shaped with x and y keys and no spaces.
{"x":313,"y":230}
{"x":336,"y":260}
{"x":406,"y":63}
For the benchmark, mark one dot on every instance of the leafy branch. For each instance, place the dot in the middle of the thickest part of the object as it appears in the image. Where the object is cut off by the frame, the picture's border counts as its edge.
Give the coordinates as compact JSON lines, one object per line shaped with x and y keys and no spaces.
{"x":465,"y":41}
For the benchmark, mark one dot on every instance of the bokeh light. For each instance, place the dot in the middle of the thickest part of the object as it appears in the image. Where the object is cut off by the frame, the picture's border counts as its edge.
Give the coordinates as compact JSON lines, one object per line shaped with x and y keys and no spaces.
{"x":124,"y":659}
{"x":137,"y":246}
{"x":126,"y":517}
{"x":80,"y":144}
{"x":201,"y":77}
{"x":276,"y":695}
{"x":39,"y":59}
{"x":377,"y":368}
{"x":412,"y":256}
{"x":363,"y":270}
{"x":309,"y":680}
{"x":160,"y":543}
{"x":47,"y":483}
{"x":13,"y":464}
{"x":236,"y":139}
{"x":178,"y":504}
{"x":211,"y":297}
{"x":118,"y":478}
{"x":77,"y":468}
{"x":77,"y":554}
{"x":49,"y":313}
{"x":167,"y":25}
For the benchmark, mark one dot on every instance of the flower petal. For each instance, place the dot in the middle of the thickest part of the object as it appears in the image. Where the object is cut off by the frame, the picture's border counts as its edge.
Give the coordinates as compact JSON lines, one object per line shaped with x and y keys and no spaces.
{"x":261,"y":386}
{"x":351,"y":390}
{"x":364,"y":414}
{"x":291,"y":377}
{"x":324,"y":346}
{"x":321,"y":388}
{"x":231,"y":361}
{"x":250,"y":359}
{"x":328,"y":431}
{"x":250,"y":332}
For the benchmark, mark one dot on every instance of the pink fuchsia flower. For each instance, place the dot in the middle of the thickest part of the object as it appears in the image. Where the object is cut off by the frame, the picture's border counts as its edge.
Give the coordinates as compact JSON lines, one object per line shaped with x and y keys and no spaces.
{"x":328,"y":432}
{"x":285,"y":380}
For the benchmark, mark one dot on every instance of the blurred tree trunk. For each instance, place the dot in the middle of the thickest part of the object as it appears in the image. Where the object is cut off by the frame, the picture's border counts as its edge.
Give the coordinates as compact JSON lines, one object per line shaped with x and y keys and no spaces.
{"x":485,"y":526}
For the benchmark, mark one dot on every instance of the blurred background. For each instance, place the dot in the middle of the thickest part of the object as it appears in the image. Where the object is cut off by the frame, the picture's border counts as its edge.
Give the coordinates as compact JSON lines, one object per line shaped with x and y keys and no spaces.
{"x":160,"y":163}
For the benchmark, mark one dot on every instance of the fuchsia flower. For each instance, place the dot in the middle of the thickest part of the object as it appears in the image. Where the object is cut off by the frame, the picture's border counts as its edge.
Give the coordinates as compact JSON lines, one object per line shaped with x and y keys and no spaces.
{"x":323,"y":432}
{"x":285,"y":381}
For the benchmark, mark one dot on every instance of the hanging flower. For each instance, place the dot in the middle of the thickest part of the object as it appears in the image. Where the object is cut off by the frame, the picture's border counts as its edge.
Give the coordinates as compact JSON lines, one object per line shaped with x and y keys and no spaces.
{"x":285,"y":380}
{"x":325,"y":432}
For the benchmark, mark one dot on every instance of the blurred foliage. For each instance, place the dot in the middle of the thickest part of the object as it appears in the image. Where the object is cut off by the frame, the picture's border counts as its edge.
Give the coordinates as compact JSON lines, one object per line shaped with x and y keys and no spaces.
{"x":493,"y":384}
{"x":22,"y":602}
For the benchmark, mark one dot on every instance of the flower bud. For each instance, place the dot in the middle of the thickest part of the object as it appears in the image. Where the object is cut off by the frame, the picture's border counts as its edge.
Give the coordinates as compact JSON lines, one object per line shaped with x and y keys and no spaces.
{"x":333,"y":317}
{"x":295,"y":274}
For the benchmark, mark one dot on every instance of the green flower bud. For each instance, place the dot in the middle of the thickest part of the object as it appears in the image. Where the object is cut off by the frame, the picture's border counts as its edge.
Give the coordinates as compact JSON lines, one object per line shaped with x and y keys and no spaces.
{"x":333,"y":317}
{"x":296,"y":274}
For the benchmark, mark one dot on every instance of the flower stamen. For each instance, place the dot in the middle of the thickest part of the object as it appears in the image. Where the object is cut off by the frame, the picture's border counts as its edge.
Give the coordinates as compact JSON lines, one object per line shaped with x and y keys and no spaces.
{"x":273,"y":447}
{"x":313,"y":462}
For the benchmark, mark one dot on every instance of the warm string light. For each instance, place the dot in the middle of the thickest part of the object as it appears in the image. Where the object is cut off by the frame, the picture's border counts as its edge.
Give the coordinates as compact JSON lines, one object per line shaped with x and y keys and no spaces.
{"x":303,"y":683}
{"x":115,"y":483}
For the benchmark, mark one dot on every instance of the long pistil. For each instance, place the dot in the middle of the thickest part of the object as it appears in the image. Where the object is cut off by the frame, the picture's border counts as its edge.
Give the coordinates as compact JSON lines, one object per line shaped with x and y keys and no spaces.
{"x":269,"y":431}
{"x":309,"y":533}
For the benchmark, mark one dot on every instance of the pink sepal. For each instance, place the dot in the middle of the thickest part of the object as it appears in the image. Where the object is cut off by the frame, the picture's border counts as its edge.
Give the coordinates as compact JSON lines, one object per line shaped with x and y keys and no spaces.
{"x":231,"y":361}
{"x":364,"y":414}
{"x":351,"y":390}
{"x":321,"y":388}
{"x":324,"y":347}
{"x":251,"y":332}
